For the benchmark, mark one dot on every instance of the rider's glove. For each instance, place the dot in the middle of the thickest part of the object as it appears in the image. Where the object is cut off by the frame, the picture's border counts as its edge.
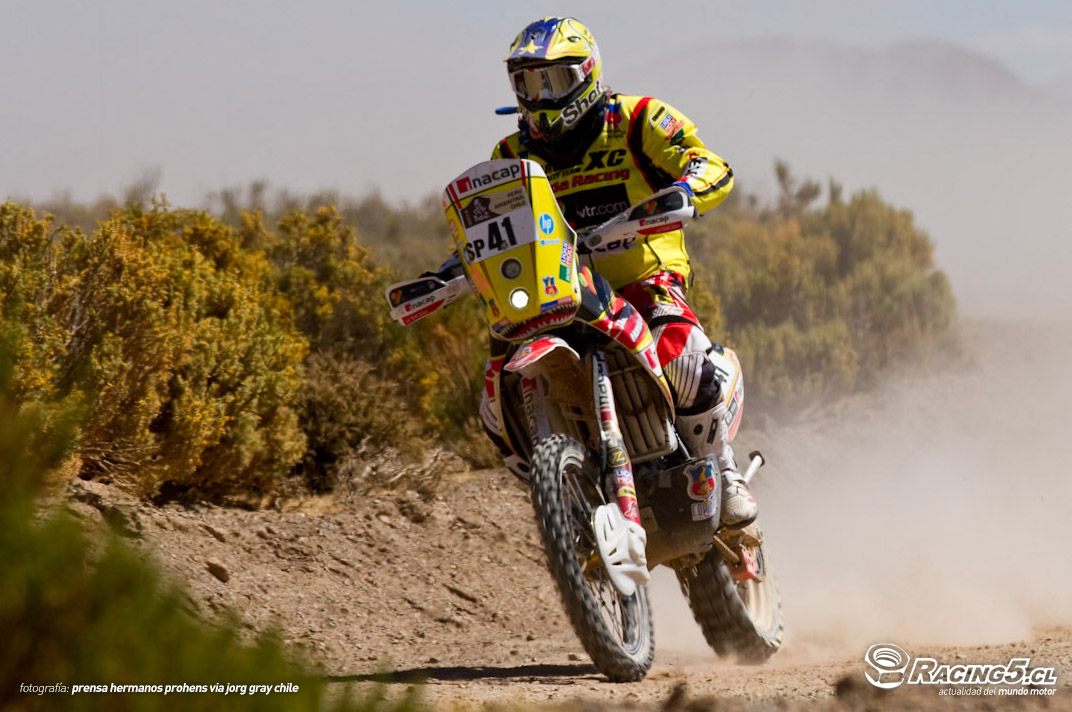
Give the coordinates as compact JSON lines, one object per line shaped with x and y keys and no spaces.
{"x":448,"y":270}
{"x":684,"y":183}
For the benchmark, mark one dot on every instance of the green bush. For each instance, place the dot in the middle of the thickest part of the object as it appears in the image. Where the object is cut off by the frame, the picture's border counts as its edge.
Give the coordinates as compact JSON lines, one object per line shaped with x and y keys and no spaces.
{"x":81,"y":609}
{"x":188,"y":335}
{"x":190,"y":367}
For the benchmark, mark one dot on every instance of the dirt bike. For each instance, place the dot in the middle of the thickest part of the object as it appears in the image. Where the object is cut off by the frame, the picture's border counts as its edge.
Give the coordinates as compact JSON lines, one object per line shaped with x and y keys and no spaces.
{"x":579,"y":395}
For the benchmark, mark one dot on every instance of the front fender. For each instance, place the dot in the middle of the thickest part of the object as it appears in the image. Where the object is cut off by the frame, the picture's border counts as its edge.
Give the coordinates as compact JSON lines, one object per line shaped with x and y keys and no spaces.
{"x":526,"y":360}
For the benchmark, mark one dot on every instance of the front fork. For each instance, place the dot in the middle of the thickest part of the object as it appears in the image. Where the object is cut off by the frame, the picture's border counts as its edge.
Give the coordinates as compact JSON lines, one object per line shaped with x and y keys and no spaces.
{"x":616,"y":464}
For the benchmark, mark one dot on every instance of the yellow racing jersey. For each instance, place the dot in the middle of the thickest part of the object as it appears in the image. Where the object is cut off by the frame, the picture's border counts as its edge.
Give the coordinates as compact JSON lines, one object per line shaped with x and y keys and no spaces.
{"x":644,"y":146}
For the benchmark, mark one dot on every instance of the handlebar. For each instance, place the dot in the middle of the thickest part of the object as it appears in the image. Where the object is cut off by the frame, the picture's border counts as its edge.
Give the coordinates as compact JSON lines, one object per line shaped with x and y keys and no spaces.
{"x":668,"y":209}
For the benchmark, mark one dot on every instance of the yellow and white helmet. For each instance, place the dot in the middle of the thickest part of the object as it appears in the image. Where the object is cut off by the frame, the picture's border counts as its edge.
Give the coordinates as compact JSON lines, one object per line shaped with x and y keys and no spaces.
{"x":556,"y":72}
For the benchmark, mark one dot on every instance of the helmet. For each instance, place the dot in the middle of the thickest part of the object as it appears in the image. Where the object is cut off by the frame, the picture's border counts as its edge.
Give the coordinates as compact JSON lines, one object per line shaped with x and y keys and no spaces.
{"x":556,"y":72}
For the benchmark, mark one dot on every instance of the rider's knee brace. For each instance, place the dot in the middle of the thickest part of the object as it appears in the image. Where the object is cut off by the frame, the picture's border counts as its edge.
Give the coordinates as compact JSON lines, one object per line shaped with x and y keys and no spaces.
{"x":701,"y":383}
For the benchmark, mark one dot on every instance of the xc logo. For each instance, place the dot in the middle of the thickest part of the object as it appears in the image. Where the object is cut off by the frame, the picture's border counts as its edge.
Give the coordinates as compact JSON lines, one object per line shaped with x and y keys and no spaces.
{"x":613,"y":158}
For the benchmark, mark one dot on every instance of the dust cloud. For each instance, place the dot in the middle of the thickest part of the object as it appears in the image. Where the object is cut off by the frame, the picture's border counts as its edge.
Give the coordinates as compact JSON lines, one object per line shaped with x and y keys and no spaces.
{"x":932,"y":511}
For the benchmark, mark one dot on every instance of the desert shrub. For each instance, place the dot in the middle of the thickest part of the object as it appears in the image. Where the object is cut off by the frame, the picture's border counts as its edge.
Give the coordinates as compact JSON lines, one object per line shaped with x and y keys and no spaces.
{"x":351,"y":413}
{"x":191,"y":369}
{"x":82,"y":609}
{"x":426,"y":378}
{"x":186,"y":333}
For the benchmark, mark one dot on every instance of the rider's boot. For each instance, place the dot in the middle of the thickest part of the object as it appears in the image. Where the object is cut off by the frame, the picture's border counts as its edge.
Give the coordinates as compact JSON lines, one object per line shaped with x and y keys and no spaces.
{"x":706,"y":434}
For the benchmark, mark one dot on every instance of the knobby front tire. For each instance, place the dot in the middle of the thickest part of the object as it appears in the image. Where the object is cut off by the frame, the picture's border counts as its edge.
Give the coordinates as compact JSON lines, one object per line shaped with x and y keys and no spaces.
{"x":616,"y":631}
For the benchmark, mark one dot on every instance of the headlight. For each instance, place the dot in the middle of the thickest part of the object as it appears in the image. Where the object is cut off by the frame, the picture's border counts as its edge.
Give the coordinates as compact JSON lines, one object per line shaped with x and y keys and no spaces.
{"x":519,"y":299}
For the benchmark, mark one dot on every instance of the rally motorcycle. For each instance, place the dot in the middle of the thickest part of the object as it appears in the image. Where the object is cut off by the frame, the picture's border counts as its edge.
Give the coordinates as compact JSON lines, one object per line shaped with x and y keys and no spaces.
{"x":580,"y":397}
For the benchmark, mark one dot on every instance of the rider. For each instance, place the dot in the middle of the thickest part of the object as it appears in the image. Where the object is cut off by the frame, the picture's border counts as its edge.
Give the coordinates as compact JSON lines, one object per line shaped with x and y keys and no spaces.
{"x":603,"y":152}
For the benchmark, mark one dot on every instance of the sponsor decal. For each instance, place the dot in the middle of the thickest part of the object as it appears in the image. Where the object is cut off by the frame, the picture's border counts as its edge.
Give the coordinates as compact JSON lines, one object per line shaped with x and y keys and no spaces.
{"x":614,"y":114}
{"x":477,"y":211}
{"x":622,"y":174}
{"x":505,"y":202}
{"x":891,"y":666}
{"x":595,"y":204}
{"x":731,"y":411}
{"x":615,"y":246}
{"x":544,"y":242}
{"x":485,"y":207}
{"x":605,"y":159}
{"x":702,"y":511}
{"x":616,"y":457}
{"x":564,"y":273}
{"x":557,"y":304}
{"x":420,"y":314}
{"x":567,"y":254}
{"x":630,"y":508}
{"x":659,"y":230}
{"x":603,"y":211}
{"x":549,"y":287}
{"x":603,"y":396}
{"x":467,"y":184}
{"x":578,"y":106}
{"x":547,"y":224}
{"x":696,"y":166}
{"x":671,"y":125}
{"x":418,"y":303}
{"x":702,"y":479}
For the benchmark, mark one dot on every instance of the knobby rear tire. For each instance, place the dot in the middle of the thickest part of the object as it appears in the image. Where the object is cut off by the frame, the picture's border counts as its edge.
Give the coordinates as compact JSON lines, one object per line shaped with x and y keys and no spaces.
{"x":742,"y":620}
{"x":623,"y":653}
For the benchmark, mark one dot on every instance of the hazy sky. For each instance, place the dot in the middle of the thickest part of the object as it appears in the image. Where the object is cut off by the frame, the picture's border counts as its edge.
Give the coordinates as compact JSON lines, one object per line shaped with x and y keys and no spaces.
{"x":398,"y":97}
{"x":352,"y":95}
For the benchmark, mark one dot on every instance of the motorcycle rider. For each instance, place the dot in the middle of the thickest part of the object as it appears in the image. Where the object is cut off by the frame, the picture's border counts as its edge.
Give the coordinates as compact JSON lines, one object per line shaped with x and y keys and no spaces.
{"x":603,"y":152}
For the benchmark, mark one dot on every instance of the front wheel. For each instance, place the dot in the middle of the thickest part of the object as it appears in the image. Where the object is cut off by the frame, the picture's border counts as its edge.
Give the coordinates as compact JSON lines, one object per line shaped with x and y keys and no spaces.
{"x":615,"y":630}
{"x":744,"y":619}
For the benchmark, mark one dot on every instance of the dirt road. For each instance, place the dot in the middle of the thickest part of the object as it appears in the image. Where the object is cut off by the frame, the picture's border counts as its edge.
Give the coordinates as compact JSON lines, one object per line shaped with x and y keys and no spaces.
{"x":929,"y":513}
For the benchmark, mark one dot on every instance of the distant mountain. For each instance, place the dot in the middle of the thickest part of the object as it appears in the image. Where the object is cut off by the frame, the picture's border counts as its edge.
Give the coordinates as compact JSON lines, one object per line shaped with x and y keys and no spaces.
{"x":978,"y":155}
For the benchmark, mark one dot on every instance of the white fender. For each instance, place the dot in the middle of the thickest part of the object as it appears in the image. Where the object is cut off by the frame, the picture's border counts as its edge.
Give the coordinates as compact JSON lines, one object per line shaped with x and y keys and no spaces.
{"x":525,"y":358}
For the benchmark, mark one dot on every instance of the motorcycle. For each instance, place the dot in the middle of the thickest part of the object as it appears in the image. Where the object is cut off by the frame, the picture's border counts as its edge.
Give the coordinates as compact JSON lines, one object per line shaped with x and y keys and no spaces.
{"x":579,"y":395}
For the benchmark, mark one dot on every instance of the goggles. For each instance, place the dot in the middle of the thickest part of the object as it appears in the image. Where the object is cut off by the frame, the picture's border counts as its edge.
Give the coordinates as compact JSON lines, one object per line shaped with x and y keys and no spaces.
{"x":547,"y":83}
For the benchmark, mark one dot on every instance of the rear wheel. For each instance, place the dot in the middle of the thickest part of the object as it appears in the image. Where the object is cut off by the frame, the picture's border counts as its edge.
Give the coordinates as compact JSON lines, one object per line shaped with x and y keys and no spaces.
{"x":615,"y":630}
{"x":743,"y":620}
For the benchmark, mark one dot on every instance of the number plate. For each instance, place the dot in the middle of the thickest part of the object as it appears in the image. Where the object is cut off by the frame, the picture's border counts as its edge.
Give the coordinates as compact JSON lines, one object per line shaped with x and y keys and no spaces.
{"x":495,"y":223}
